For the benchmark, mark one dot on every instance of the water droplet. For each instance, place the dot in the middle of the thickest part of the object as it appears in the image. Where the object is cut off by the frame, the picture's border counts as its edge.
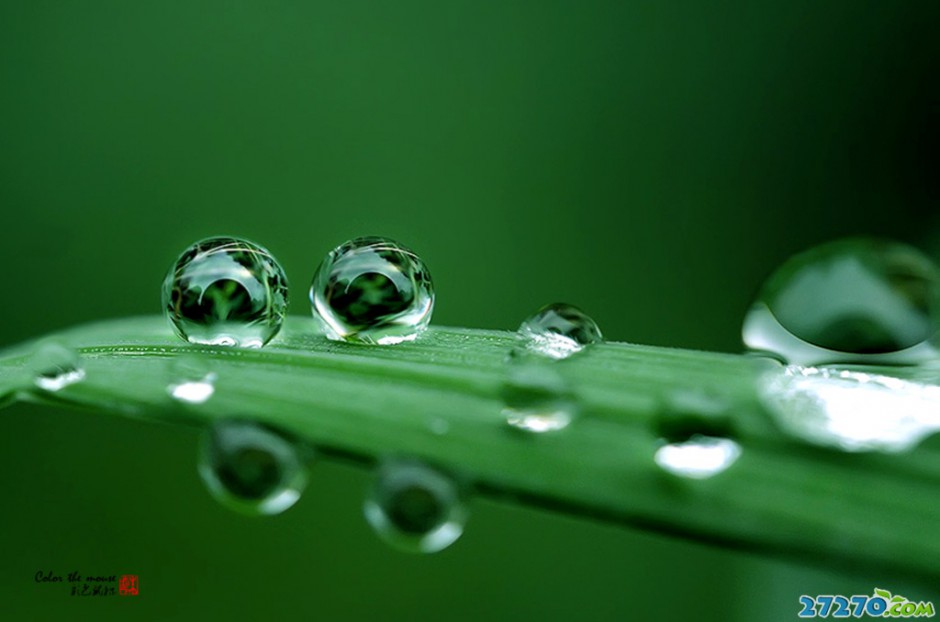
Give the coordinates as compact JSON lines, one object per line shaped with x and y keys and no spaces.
{"x":55,"y":367}
{"x":194,"y":391}
{"x":251,"y":468}
{"x":439,"y":426}
{"x":415,"y":508}
{"x":190,"y":380}
{"x":851,"y":410}
{"x":226,"y":291}
{"x":559,"y":330}
{"x":372,"y":290}
{"x":855,"y":300}
{"x":536,"y":397}
{"x":685,"y":413}
{"x":700,"y":457}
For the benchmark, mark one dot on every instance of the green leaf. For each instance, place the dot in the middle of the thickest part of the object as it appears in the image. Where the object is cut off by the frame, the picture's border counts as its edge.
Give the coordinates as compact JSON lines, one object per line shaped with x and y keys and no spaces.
{"x":439,"y":399}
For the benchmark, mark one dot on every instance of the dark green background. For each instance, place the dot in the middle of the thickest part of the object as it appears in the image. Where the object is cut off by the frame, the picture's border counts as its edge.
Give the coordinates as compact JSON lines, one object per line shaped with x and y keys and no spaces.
{"x":650,"y":162}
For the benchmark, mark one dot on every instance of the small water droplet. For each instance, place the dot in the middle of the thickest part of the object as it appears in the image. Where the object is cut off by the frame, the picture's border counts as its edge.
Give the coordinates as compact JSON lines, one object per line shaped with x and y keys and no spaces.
{"x":855,"y":300}
{"x":55,"y":367}
{"x":536,"y":398}
{"x":685,"y":413}
{"x":194,"y":391}
{"x":227,"y":292}
{"x":439,"y":426}
{"x":559,"y":330}
{"x":851,"y":410}
{"x":415,"y":508}
{"x":372,"y":290}
{"x":700,"y":457}
{"x":190,"y":380}
{"x":251,"y":468}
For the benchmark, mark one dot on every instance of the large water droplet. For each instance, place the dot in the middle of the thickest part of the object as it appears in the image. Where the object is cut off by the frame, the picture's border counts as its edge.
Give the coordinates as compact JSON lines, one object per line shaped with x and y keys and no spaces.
{"x":851,"y":410}
{"x":226,"y":291}
{"x":372,"y":290}
{"x":699,"y":457}
{"x":536,"y":397}
{"x":559,"y":330}
{"x":55,"y":367}
{"x":855,"y":300}
{"x":252,"y":468}
{"x":415,"y":508}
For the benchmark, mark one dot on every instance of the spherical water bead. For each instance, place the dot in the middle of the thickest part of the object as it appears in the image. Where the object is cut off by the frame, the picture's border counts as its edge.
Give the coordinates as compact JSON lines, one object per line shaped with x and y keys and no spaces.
{"x":559,"y":330}
{"x":856,"y":300}
{"x":251,"y":468}
{"x":536,"y":398}
{"x":372,"y":290}
{"x":226,"y":291}
{"x":55,"y":366}
{"x":415,"y":508}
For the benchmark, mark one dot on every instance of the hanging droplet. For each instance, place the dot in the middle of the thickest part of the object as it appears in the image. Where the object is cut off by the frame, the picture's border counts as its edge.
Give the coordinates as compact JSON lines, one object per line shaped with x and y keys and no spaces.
{"x":226,"y":291}
{"x":251,"y":468}
{"x":55,"y":366}
{"x":851,"y":410}
{"x":700,"y":457}
{"x":856,"y":300}
{"x":372,"y":290}
{"x":536,"y":398}
{"x":559,"y":330}
{"x":415,"y":508}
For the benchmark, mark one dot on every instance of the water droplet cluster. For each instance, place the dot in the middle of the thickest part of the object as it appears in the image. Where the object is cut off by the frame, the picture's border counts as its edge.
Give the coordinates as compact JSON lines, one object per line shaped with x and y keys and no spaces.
{"x":858,"y":301}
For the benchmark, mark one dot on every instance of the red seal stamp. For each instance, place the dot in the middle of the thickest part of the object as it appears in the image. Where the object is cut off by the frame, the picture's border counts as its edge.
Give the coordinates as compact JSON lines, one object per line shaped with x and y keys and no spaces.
{"x":128,"y":585}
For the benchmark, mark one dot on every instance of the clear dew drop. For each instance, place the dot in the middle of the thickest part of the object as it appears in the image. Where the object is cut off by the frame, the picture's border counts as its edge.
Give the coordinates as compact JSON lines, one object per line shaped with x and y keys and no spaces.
{"x":55,"y":367}
{"x":851,"y":410}
{"x":415,"y":508}
{"x":194,"y":391}
{"x":251,"y":468}
{"x":700,"y":457}
{"x":372,"y":290}
{"x":191,"y":382}
{"x":227,"y":292}
{"x":536,"y":398}
{"x":559,"y":330}
{"x":856,"y":300}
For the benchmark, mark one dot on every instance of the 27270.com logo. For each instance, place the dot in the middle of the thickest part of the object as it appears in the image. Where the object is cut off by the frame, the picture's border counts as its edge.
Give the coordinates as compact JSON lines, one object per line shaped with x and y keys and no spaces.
{"x":881,"y":604}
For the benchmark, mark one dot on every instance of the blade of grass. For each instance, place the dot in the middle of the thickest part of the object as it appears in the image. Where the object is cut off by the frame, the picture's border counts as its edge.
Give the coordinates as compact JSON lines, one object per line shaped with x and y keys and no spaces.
{"x":438,"y":399}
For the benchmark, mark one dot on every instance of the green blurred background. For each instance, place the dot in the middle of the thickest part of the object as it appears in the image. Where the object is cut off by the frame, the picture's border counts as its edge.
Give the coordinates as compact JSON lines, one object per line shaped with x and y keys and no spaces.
{"x":649,"y":162}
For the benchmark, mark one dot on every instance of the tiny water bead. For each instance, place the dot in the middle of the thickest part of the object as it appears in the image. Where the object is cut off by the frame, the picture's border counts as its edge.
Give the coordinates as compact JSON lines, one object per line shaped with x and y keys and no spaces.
{"x":190,"y":380}
{"x":55,"y":366}
{"x":699,"y":457}
{"x":856,"y":300}
{"x":851,"y":410}
{"x":226,"y":291}
{"x":251,"y":468}
{"x":536,"y":398}
{"x":559,"y":330}
{"x":415,"y":508}
{"x":372,"y":290}
{"x":684,"y":413}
